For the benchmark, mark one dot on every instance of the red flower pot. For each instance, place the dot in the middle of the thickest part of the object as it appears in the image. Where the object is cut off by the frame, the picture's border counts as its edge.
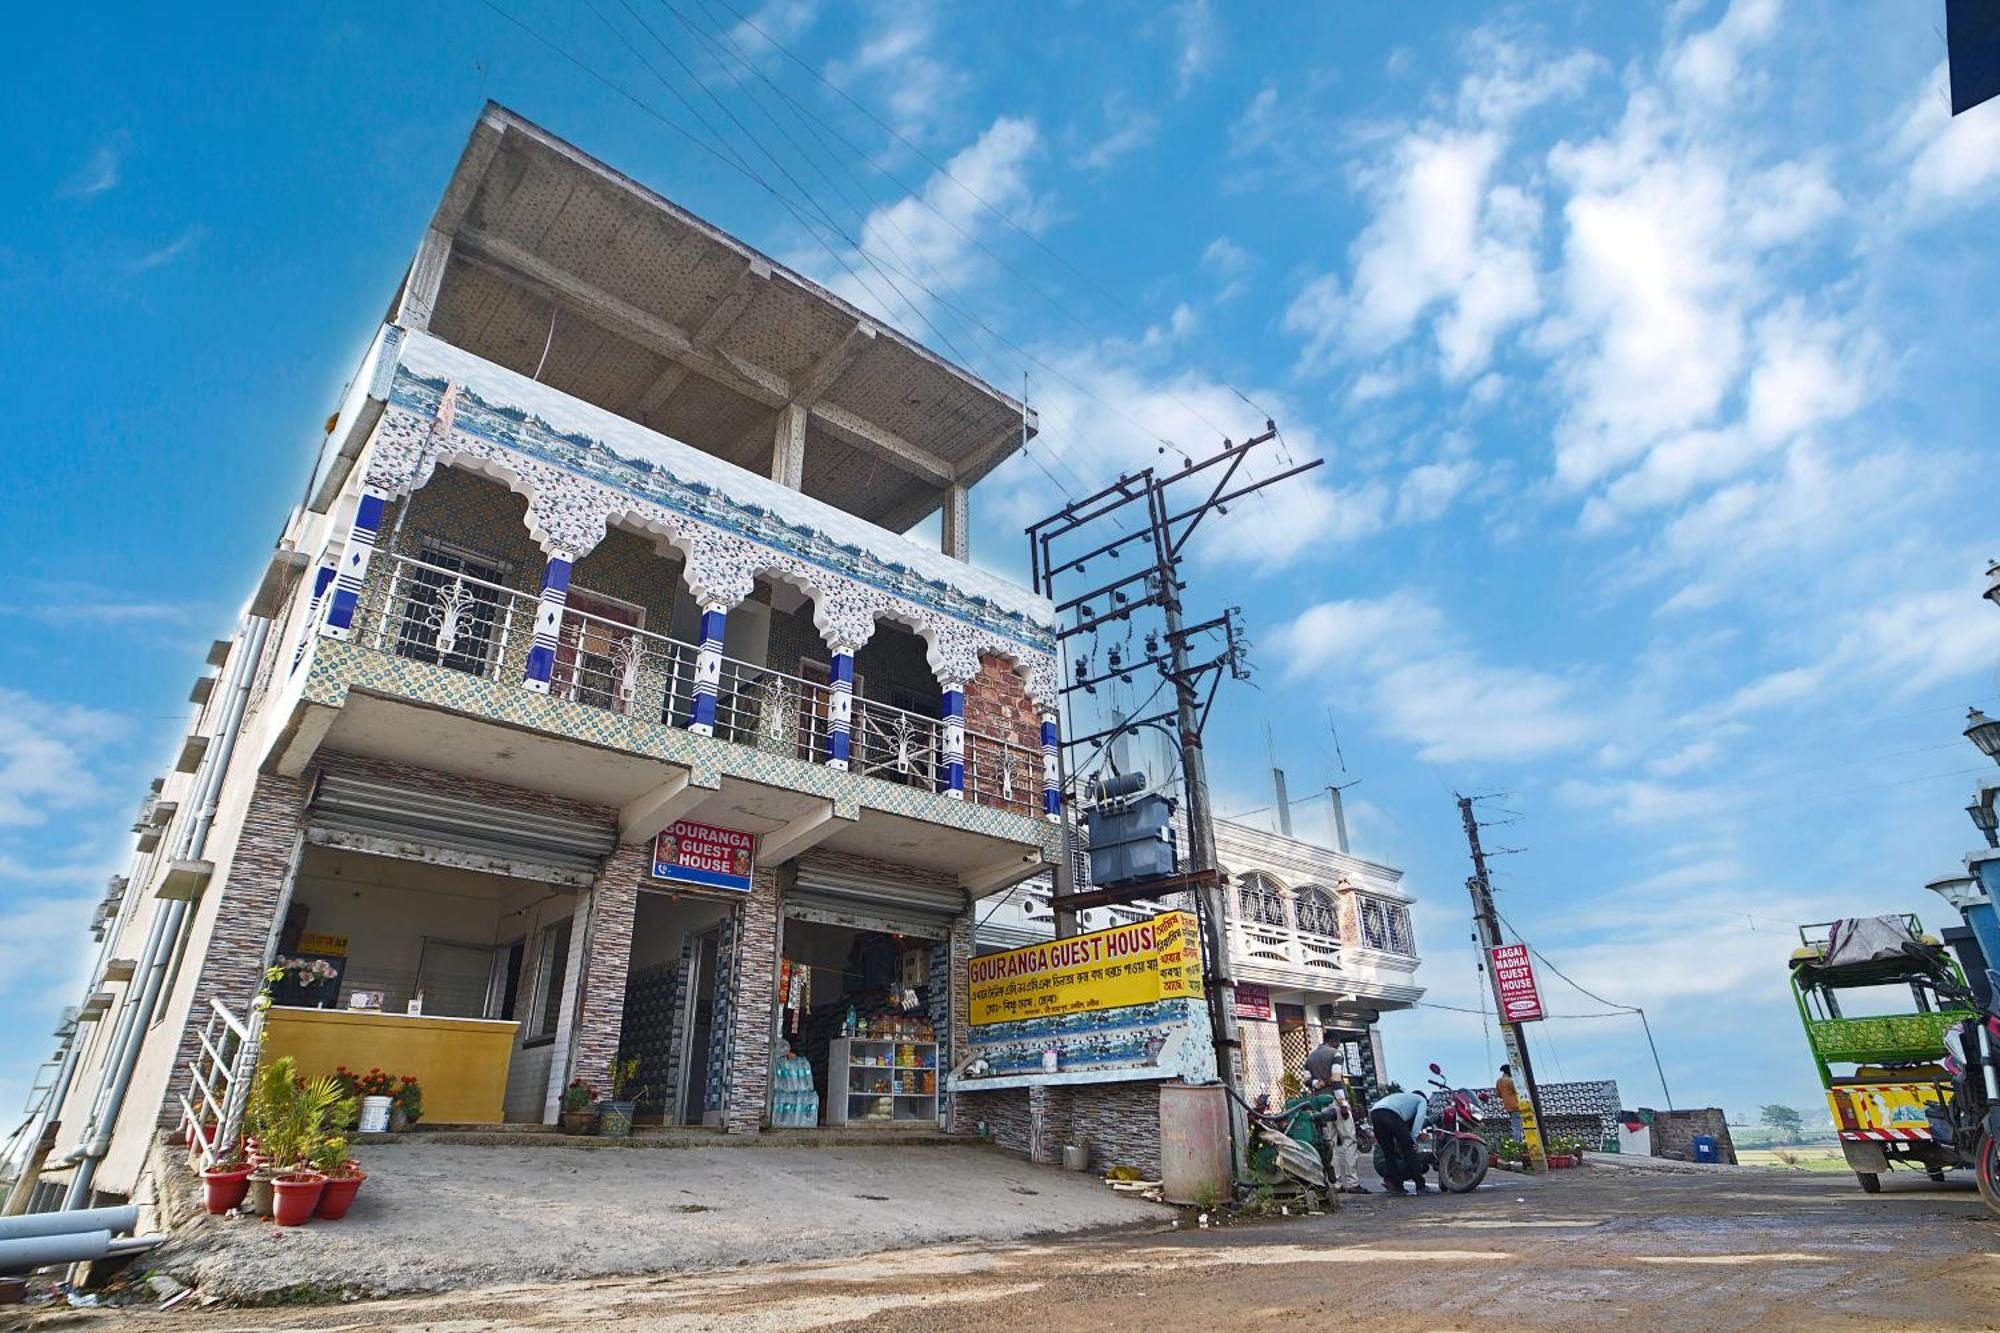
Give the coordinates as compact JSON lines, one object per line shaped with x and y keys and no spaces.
{"x":338,"y":1196}
{"x":295,"y":1195}
{"x":224,"y":1188}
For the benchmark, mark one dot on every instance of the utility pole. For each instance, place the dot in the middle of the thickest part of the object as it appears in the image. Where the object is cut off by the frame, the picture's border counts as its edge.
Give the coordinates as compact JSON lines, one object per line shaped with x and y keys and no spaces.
{"x":1153,"y":580}
{"x":1514,"y":1034}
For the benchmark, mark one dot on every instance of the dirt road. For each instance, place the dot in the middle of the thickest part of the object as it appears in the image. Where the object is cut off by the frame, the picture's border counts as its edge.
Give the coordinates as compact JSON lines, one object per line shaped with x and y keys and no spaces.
{"x":1580,"y":1250}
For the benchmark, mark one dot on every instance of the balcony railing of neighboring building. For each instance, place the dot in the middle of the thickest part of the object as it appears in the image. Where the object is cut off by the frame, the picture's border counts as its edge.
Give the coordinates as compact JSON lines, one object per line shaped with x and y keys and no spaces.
{"x":1306,"y":929}
{"x":458,"y":615}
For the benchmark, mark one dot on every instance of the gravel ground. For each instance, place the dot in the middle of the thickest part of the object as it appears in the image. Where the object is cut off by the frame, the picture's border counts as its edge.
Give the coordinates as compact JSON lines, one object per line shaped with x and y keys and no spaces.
{"x":1578,"y":1250}
{"x":440,"y":1217}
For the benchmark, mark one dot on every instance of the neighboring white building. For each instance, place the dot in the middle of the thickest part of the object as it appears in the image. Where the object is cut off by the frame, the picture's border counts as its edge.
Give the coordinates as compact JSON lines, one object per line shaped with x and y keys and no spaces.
{"x":1317,"y":938}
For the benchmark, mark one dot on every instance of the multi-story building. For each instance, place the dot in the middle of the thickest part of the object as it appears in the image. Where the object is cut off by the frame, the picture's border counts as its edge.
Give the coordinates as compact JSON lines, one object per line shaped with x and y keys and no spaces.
{"x":594,"y":701}
{"x":1318,"y":938}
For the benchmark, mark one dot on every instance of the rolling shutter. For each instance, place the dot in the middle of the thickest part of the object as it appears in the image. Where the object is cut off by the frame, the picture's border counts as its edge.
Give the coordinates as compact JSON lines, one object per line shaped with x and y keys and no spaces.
{"x":377,"y":816}
{"x":839,"y":897}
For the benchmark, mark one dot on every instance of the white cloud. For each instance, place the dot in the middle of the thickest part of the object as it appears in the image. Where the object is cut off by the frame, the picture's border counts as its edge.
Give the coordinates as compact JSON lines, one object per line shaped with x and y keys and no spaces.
{"x":1638,"y":801}
{"x":1199,"y":40}
{"x":896,"y":57}
{"x":1428,"y":491}
{"x":169,"y":252}
{"x":777,"y":22}
{"x":1257,"y":124}
{"x":928,"y":242}
{"x":45,"y":756}
{"x":1422,"y":685}
{"x":1225,"y":257}
{"x":1951,"y":161}
{"x":99,"y":174}
{"x":1130,"y":129}
{"x":1709,"y":65}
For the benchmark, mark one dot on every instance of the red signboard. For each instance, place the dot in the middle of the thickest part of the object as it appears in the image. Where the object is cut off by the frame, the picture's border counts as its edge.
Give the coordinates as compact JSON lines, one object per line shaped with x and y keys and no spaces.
{"x":1514,"y":979}
{"x":1253,"y":1002}
{"x":715,"y":858}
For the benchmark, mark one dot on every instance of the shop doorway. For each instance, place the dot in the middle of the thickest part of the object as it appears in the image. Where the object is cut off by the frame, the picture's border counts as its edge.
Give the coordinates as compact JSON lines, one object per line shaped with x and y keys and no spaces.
{"x":671,"y":1023}
{"x":858,"y":1006}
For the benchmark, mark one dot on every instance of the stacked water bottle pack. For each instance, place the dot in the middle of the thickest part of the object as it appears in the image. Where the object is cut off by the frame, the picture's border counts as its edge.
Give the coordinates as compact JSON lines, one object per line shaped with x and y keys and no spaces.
{"x":794,"y":1100}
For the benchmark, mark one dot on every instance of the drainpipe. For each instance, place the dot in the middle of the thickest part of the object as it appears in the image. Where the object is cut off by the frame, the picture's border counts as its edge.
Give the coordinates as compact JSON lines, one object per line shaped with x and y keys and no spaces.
{"x":164,"y":942}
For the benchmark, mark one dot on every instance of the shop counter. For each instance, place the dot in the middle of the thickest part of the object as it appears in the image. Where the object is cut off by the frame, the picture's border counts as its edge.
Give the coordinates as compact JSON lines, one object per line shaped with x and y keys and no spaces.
{"x":460,"y":1062}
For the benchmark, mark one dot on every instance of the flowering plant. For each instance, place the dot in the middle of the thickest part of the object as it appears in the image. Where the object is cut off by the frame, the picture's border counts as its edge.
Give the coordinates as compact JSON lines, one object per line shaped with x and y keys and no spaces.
{"x":309,"y":972}
{"x":375,"y":1083}
{"x":578,"y":1095}
{"x":409,"y":1098}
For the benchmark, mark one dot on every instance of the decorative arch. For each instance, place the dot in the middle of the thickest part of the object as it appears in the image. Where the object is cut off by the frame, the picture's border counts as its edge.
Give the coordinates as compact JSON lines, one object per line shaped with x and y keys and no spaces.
{"x":1262,"y":897}
{"x":1316,"y":910}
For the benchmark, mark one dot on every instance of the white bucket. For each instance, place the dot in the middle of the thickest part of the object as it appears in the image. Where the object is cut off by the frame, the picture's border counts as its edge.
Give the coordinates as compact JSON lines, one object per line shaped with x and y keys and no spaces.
{"x":374,"y":1115}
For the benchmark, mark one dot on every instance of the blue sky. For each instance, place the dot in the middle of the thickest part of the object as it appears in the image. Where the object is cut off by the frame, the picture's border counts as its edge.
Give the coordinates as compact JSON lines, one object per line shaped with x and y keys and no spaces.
{"x":1647,"y":349}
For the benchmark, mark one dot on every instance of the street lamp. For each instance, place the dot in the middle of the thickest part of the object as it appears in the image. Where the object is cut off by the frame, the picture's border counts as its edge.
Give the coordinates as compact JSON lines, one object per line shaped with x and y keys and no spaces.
{"x":1961,"y":891}
{"x":1985,"y":818}
{"x":1984,"y":732}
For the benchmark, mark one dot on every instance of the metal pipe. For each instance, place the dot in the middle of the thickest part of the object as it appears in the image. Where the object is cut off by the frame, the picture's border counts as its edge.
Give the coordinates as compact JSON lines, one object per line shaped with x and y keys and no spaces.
{"x":104,"y":1121}
{"x":69,"y":1248}
{"x":125,"y":1217}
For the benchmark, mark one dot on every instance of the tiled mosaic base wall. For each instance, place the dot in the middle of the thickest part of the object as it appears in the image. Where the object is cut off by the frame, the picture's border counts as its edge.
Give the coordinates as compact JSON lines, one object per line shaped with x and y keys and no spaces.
{"x":1120,"y":1122}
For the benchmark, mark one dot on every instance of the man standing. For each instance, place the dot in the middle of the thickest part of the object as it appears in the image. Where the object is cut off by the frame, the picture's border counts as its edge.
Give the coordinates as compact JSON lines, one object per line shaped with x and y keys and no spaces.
{"x":1342,"y":1131}
{"x":1323,"y":1062}
{"x":1397,"y":1120}
{"x":1510,"y":1100}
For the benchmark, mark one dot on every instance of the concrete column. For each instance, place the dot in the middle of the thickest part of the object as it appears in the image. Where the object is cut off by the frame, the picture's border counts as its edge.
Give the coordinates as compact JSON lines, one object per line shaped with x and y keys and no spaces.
{"x":753,"y":1005}
{"x":788,"y":449}
{"x":840,"y":708}
{"x":548,"y":623}
{"x":357,"y":550}
{"x":953,"y":783}
{"x":1051,"y":781}
{"x":957,"y":520}
{"x":606,"y":958}
{"x":708,"y":668}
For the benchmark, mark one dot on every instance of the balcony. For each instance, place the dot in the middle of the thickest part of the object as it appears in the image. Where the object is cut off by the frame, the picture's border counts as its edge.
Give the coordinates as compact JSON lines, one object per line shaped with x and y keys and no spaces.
{"x":448,"y":618}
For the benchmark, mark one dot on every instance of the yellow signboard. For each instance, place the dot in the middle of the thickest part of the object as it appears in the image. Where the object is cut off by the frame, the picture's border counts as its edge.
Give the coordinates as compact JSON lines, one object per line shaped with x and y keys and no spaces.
{"x":313,"y":941}
{"x":1158,"y":959}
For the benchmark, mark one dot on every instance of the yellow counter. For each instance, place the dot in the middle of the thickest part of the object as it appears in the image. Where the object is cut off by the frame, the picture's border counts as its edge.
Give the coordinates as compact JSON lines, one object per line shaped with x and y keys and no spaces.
{"x":461,"y":1062}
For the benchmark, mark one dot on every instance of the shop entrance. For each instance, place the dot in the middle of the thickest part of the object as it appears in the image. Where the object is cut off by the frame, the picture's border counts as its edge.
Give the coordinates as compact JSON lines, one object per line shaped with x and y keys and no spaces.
{"x":859,"y":1019}
{"x":670,"y":1023}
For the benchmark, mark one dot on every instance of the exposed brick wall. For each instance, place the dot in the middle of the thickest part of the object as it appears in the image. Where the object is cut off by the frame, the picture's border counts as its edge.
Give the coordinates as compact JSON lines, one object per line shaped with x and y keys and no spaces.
{"x":246,"y":895}
{"x":997,"y":705}
{"x":1120,"y":1122}
{"x":1674,"y":1131}
{"x":607,"y":955}
{"x":755,"y":994}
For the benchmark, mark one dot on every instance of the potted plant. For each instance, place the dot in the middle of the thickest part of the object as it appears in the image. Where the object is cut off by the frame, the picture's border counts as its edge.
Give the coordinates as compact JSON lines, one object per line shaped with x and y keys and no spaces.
{"x":224,"y":1184}
{"x":343,"y":1178}
{"x":295,"y":1196}
{"x":406,"y":1104}
{"x":377,"y":1093}
{"x":578,"y":1115}
{"x":614,"y":1119}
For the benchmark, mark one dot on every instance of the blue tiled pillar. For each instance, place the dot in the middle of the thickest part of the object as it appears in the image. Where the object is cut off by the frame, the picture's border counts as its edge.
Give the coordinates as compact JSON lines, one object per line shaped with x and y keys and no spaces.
{"x":548,"y":623}
{"x":840,"y":708}
{"x":1051,"y":783}
{"x":1985,"y":923}
{"x":708,"y":668}
{"x":952,"y":781}
{"x":352,"y":571}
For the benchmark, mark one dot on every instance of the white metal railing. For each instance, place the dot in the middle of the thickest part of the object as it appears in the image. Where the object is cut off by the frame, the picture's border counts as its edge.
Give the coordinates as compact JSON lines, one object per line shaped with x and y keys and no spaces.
{"x":1282,"y":946}
{"x":219,"y":1077}
{"x":459,"y":620}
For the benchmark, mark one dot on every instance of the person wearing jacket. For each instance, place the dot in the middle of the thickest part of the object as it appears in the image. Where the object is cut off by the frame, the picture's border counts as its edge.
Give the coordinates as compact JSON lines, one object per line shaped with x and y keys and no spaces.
{"x":1397,"y":1119}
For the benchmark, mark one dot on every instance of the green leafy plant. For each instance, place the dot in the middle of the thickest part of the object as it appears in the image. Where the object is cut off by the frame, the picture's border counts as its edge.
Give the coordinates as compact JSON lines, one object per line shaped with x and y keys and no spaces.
{"x":1511,"y":1150}
{"x":331,"y":1155}
{"x":624,"y":1075}
{"x":578,"y":1096}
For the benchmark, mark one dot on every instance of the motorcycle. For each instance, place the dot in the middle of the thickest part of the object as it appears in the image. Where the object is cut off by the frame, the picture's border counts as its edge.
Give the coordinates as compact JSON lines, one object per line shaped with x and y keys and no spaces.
{"x":1970,"y":1128}
{"x":1451,"y":1144}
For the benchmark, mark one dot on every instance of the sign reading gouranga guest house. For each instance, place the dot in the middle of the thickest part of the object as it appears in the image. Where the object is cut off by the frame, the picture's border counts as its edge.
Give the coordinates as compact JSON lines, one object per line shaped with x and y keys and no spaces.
{"x":1124,"y":1002}
{"x":714,"y":858}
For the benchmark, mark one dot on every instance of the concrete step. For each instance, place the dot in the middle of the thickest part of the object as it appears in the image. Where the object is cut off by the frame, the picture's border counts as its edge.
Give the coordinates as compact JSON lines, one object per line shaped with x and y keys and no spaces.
{"x":551,"y":1136}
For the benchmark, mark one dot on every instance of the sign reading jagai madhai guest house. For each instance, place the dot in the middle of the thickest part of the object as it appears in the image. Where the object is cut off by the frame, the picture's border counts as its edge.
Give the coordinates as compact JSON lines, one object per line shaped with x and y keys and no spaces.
{"x":702,"y":854}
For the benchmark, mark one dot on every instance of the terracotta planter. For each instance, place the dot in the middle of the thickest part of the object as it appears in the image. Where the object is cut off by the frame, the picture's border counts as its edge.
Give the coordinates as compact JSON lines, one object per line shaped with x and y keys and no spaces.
{"x":223,"y":1189}
{"x":296,"y":1195}
{"x":262,"y":1198}
{"x":579,"y":1122}
{"x":338,"y":1196}
{"x":1561,"y":1162}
